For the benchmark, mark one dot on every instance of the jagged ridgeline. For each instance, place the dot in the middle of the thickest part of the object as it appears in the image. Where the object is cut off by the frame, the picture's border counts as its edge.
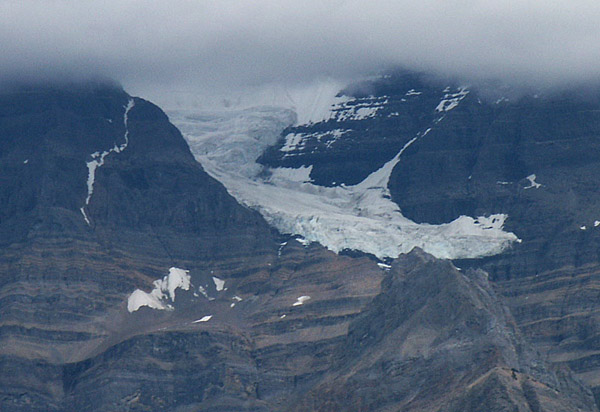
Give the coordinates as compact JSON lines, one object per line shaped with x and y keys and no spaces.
{"x":130,"y":279}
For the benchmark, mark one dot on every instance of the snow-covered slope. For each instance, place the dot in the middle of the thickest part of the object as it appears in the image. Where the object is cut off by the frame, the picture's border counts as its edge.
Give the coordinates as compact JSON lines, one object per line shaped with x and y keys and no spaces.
{"x":228,"y":141}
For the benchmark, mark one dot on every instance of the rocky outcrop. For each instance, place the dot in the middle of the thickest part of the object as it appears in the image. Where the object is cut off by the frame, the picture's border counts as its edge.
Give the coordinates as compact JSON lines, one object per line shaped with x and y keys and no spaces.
{"x":534,"y":159}
{"x":249,"y":356}
{"x":557,"y":310}
{"x":437,"y":339}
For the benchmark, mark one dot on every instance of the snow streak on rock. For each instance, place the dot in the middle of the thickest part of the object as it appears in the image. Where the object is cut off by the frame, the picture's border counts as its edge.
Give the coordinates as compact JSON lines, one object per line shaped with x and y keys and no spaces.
{"x":532,"y":183}
{"x":203,"y":319}
{"x":296,"y":141}
{"x":360,"y":217}
{"x":451,"y":100}
{"x":98,"y":161}
{"x":300,"y":301}
{"x":357,"y":109}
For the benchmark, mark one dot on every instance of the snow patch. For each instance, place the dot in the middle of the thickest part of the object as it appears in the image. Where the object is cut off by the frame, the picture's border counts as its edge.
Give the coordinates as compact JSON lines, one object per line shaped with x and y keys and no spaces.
{"x":335,"y":136}
{"x":384,"y":266}
{"x":202,"y":290}
{"x":140,"y":298}
{"x":303,"y":241}
{"x":358,"y":109}
{"x":451,"y":100}
{"x":301,"y":300}
{"x":364,"y":112}
{"x":164,"y":290}
{"x":203,"y":319}
{"x":177,"y":278}
{"x":219,"y":284}
{"x":532,"y":183}
{"x":281,"y":246}
{"x":85,"y":216}
{"x":297,"y":141}
{"x":293,"y":141}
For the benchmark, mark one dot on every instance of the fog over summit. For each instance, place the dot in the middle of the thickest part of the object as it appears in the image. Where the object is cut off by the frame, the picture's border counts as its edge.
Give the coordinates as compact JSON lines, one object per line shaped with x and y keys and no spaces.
{"x":227,"y":43}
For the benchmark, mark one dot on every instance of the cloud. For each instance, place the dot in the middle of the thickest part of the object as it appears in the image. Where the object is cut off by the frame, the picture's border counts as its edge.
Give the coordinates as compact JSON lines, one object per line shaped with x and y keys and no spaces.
{"x":228,"y":43}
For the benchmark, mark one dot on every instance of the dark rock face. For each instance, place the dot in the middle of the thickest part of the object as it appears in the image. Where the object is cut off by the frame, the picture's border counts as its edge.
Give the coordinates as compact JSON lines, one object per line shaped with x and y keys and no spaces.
{"x":435,"y":339}
{"x":293,"y":327}
{"x":478,"y":159}
{"x":351,"y":145}
{"x":65,"y":282}
{"x":249,"y":357}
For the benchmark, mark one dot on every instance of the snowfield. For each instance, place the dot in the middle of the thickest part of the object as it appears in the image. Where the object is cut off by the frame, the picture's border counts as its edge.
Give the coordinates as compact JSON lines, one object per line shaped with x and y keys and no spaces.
{"x":227,"y":141}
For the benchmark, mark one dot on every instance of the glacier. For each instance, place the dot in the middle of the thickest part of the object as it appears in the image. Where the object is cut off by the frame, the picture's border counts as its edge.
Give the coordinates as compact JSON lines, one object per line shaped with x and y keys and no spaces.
{"x":227,"y":141}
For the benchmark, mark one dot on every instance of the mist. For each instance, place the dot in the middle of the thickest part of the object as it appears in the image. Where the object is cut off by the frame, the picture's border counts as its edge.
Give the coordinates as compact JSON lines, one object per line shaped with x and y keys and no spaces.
{"x":224,"y":44}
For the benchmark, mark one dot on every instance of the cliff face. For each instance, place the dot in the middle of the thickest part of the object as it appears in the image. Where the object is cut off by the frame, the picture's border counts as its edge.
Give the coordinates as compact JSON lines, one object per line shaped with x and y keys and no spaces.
{"x":438,"y":339}
{"x":100,"y":196}
{"x":535,"y":159}
{"x":131,"y":280}
{"x":252,"y":356}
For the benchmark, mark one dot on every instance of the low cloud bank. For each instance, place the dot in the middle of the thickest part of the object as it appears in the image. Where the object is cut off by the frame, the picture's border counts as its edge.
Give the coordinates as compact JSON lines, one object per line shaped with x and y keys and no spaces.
{"x":220,"y":44}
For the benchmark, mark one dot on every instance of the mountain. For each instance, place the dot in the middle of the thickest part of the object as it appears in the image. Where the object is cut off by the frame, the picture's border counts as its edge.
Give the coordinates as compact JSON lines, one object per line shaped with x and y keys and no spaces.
{"x":529,"y":157}
{"x":100,"y":196}
{"x":437,"y":339}
{"x":134,"y":278}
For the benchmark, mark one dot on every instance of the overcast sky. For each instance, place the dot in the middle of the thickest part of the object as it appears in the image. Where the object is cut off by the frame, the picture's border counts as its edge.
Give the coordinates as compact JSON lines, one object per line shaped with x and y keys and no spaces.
{"x":226,"y":43}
